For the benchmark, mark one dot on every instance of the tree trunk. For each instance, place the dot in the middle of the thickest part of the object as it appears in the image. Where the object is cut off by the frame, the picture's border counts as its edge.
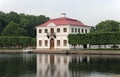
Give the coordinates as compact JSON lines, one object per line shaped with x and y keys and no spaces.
{"x":114,"y":46}
{"x":74,"y":47}
{"x":99,"y":46}
{"x":105,"y":46}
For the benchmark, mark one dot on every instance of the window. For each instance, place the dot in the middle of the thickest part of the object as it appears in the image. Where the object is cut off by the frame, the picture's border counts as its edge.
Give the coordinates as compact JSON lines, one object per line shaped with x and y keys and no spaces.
{"x":46,"y":31}
{"x":58,"y":42}
{"x":64,"y":29}
{"x":82,"y":30}
{"x":52,"y":31}
{"x":58,"y":30}
{"x":40,"y":42}
{"x":78,"y":30}
{"x":72,"y":29}
{"x":46,"y":42}
{"x":40,"y":31}
{"x":85,"y":30}
{"x":65,"y":42}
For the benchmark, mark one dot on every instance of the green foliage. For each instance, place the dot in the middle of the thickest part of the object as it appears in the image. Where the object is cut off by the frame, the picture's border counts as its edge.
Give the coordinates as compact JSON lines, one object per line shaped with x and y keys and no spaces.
{"x":94,"y":38}
{"x":12,"y":29}
{"x":26,"y":23}
{"x":16,"y":41}
{"x":2,"y":21}
{"x":107,"y":26}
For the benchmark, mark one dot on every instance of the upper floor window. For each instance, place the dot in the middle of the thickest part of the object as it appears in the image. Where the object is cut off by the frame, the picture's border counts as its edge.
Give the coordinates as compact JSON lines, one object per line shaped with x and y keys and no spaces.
{"x":40,"y":30}
{"x":52,"y":31}
{"x":64,"y":29}
{"x":78,"y":30}
{"x":58,"y":30}
{"x":46,"y":30}
{"x":85,"y":30}
{"x":72,"y":29}
{"x":82,"y":30}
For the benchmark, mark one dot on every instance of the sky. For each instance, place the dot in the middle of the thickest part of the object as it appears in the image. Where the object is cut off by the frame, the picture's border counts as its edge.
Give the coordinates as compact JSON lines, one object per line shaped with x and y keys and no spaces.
{"x":90,"y":12}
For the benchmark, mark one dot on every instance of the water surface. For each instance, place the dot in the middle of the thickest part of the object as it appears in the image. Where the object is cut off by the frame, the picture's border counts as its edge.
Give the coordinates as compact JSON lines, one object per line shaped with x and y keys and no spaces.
{"x":46,"y":65}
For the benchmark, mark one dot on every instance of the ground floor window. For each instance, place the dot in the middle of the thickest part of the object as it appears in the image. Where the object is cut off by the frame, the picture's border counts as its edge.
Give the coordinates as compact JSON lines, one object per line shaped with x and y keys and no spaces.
{"x":46,"y":42}
{"x":58,"y":42}
{"x":65,"y":42}
{"x":40,"y":42}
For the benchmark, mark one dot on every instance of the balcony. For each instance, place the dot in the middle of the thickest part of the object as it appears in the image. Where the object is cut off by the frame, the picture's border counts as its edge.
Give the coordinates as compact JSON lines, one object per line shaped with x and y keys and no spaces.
{"x":51,"y":35}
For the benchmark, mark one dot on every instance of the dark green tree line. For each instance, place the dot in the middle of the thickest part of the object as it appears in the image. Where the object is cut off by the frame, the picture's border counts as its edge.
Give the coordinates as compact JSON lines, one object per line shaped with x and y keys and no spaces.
{"x":26,"y":23}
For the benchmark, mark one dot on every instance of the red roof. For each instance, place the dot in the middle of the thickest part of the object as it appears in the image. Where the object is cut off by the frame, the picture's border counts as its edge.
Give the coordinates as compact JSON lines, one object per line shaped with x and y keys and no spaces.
{"x":64,"y":21}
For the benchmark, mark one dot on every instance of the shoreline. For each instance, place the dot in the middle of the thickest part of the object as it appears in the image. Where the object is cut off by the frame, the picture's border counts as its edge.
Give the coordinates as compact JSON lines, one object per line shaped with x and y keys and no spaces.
{"x":80,"y":52}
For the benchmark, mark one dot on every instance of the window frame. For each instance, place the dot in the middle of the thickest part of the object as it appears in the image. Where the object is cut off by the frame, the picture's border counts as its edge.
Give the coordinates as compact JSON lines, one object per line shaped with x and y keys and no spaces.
{"x":40,"y":42}
{"x":40,"y":30}
{"x":65,"y":42}
{"x":46,"y":31}
{"x":58,"y":42}
{"x":58,"y":30}
{"x":46,"y":42}
{"x":64,"y":29}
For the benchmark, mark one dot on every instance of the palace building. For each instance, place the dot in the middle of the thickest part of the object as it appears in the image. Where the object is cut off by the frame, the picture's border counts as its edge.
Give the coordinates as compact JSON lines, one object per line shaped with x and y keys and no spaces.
{"x":54,"y":33}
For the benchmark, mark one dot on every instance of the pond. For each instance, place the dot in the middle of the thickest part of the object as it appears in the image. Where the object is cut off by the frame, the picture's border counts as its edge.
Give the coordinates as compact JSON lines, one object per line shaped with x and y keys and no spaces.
{"x":58,"y":65}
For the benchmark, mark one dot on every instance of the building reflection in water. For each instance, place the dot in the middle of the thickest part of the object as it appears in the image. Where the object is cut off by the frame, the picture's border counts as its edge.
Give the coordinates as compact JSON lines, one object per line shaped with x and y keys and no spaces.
{"x":57,"y":65}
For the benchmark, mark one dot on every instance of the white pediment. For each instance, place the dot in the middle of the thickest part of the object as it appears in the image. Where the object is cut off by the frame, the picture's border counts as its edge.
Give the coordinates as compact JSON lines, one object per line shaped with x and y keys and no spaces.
{"x":51,"y":24}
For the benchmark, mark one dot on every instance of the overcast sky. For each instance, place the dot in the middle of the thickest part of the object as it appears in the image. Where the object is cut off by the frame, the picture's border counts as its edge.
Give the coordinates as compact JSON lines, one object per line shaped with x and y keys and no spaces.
{"x":90,"y":12}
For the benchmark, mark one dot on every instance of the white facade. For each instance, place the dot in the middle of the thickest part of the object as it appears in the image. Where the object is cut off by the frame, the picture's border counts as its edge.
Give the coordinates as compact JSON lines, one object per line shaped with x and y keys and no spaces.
{"x":61,"y":32}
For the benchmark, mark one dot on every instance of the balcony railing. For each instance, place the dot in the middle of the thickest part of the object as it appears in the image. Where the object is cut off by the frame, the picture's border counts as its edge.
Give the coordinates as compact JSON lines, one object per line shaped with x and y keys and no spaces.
{"x":51,"y":35}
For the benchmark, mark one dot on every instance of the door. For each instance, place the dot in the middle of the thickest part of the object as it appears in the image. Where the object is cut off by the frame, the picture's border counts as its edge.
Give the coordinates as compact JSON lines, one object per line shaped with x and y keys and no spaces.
{"x":51,"y":43}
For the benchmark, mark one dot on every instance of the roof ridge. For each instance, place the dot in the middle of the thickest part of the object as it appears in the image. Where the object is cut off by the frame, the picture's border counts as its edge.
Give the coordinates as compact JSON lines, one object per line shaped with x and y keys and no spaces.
{"x":63,"y":18}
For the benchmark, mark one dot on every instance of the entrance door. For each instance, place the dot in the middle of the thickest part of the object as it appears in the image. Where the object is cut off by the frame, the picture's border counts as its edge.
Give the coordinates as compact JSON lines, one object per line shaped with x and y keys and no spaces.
{"x":51,"y":43}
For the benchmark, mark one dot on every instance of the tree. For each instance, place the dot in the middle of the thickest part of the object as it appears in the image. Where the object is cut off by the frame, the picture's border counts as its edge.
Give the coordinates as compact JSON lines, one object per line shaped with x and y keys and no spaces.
{"x":2,"y":21}
{"x":26,"y":22}
{"x":108,"y":26}
{"x":12,"y":29}
{"x":13,"y":16}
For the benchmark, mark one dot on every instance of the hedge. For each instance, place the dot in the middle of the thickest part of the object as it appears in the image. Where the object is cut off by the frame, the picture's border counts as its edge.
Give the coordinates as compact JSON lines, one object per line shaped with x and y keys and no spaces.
{"x":16,"y":41}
